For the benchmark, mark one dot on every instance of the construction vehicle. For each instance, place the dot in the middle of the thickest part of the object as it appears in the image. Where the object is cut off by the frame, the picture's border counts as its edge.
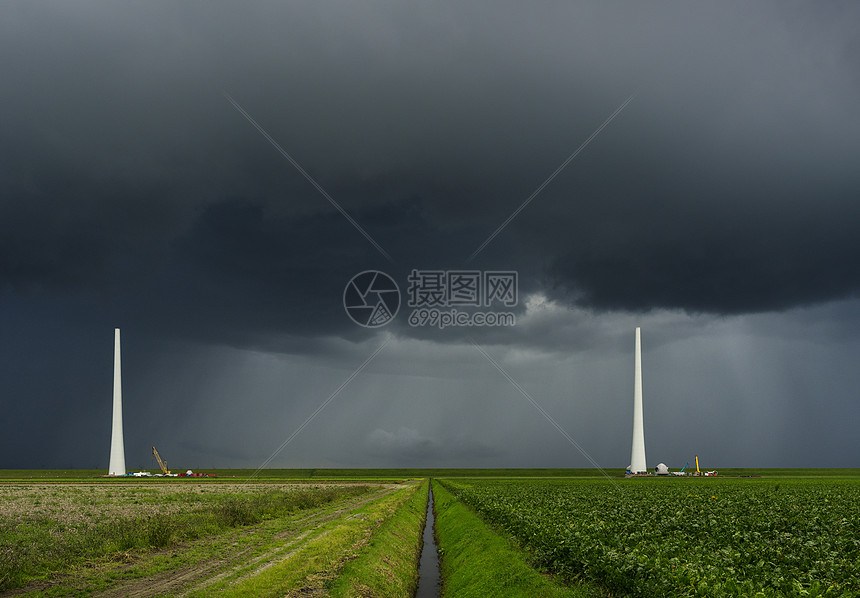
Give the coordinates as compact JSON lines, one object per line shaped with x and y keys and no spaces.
{"x":705,"y":473}
{"x":682,"y":470}
{"x":161,"y":463}
{"x":191,"y":474}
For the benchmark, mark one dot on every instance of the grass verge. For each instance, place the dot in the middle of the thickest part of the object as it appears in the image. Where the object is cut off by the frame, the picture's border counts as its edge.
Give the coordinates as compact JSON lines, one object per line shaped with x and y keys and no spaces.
{"x":477,"y":562}
{"x":388,"y":567}
{"x":314,"y":564}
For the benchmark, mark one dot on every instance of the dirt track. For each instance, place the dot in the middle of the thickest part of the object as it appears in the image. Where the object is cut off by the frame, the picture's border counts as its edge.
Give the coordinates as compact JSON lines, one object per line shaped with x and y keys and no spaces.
{"x":236,"y":554}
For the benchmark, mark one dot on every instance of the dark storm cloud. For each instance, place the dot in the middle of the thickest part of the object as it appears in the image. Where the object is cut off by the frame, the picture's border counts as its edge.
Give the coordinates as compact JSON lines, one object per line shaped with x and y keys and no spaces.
{"x":727,"y":186}
{"x":738,"y":259}
{"x":133,"y":194}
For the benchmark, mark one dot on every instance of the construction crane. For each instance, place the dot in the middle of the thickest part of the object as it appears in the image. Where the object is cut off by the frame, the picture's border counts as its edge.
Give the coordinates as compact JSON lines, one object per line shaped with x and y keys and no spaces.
{"x":697,"y":465}
{"x":161,"y":463}
{"x":682,"y":470}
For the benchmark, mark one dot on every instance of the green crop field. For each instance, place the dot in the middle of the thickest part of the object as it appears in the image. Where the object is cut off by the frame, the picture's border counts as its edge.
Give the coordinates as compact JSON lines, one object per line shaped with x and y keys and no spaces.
{"x":684,"y":537}
{"x":345,"y":531}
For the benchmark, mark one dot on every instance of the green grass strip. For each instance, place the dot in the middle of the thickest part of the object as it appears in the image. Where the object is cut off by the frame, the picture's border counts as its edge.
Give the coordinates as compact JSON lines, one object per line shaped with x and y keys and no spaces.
{"x":388,"y":567}
{"x":308,"y":569}
{"x":477,"y":562}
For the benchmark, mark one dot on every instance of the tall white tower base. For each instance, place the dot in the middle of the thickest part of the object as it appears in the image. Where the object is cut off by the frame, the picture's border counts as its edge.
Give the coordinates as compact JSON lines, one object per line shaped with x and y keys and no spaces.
{"x":117,"y":446}
{"x":637,"y":454}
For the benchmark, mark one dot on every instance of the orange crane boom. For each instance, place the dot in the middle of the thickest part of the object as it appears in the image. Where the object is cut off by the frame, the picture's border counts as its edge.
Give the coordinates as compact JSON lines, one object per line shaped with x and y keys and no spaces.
{"x":161,"y":463}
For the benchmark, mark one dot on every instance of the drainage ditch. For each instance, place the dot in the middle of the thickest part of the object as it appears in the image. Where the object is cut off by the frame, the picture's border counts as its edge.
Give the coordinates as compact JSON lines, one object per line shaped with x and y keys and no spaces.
{"x":428,"y":566}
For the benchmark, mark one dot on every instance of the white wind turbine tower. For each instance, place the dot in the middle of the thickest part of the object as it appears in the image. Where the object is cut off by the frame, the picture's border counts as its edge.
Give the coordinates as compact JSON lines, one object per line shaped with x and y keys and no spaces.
{"x":637,"y":454}
{"x":117,"y":446}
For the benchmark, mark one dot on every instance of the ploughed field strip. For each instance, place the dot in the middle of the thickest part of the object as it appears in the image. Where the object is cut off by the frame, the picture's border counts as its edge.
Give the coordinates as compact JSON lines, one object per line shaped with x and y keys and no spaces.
{"x":211,"y":564}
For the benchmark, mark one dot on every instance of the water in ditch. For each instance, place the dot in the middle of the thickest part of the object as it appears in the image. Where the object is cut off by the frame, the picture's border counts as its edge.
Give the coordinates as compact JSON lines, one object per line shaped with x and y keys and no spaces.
{"x":428,"y":565}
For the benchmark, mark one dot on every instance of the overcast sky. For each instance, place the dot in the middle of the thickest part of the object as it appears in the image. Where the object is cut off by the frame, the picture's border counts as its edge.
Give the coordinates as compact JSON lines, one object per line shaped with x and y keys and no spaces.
{"x":712,"y":198}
